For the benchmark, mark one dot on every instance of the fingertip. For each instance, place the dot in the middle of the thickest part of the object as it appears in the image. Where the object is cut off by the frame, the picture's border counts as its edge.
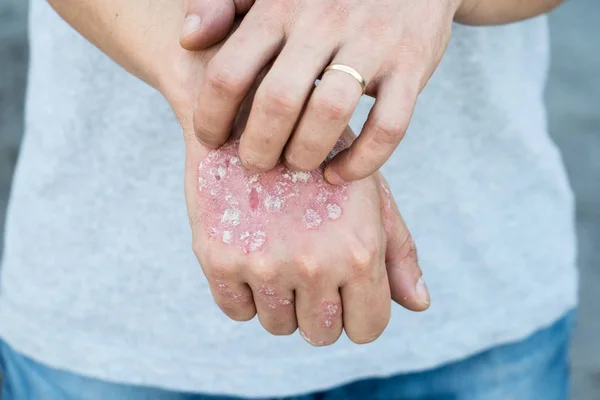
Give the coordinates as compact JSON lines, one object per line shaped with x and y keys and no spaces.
{"x":422,"y":292}
{"x":192,"y":42}
{"x":342,"y":169}
{"x":191,"y":24}
{"x":206,"y":23}
{"x":200,"y":39}
{"x":256,"y":165}
{"x":298,"y":167}
{"x":243,"y":316}
{"x":209,"y":145}
{"x":332,"y":176}
{"x":415,"y":298}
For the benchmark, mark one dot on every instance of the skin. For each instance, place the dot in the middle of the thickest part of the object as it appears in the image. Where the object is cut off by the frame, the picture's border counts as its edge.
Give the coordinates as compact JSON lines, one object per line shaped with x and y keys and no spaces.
{"x":339,"y":275}
{"x":395,"y":45}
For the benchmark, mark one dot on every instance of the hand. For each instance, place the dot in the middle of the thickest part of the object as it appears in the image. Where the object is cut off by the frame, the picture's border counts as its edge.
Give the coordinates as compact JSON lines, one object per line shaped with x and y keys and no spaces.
{"x":288,"y":246}
{"x":395,"y":46}
{"x":144,"y":42}
{"x":299,"y":251}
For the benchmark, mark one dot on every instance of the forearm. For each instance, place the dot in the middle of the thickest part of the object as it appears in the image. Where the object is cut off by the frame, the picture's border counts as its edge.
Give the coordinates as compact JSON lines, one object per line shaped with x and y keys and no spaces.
{"x":137,"y":35}
{"x":496,"y":12}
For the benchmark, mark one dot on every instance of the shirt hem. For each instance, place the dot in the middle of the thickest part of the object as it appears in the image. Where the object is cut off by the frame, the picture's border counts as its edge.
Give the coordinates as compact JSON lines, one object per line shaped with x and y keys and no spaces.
{"x":76,"y":353}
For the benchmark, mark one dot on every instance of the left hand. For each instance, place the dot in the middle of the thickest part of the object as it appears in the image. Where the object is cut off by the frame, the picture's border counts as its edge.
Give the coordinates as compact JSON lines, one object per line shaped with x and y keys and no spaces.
{"x":394,"y":45}
{"x":279,"y":260}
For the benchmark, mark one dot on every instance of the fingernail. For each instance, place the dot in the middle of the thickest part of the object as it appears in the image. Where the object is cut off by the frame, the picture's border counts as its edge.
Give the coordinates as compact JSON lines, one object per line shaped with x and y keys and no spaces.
{"x":191,"y":24}
{"x":422,"y":291}
{"x":304,"y":336}
{"x":333,"y":177}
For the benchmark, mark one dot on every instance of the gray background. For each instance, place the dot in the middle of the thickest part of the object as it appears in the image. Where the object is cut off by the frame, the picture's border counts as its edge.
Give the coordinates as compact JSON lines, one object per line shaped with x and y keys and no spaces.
{"x":574,"y":109}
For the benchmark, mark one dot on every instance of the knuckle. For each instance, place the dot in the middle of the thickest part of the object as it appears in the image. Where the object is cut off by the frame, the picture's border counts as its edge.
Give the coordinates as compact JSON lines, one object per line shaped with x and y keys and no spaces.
{"x":197,"y":248}
{"x":363,"y":257}
{"x":214,"y":264}
{"x":388,"y":132}
{"x":276,"y":16}
{"x":335,"y":13}
{"x":376,"y":26}
{"x":409,"y":250}
{"x":224,"y":81}
{"x":205,"y":135}
{"x":412,"y":52}
{"x":278,"y":100}
{"x":311,"y":146}
{"x":334,"y":107}
{"x":309,"y":270}
{"x":218,"y":269}
{"x":264,"y":271}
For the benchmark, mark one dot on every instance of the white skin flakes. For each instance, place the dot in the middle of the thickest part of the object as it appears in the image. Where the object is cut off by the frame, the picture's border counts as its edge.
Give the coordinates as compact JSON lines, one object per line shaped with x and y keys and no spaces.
{"x":237,"y":205}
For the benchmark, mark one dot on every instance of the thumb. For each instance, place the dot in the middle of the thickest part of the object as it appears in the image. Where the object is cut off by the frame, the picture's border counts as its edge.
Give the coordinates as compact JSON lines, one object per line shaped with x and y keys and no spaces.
{"x":405,"y":276}
{"x":207,"y":22}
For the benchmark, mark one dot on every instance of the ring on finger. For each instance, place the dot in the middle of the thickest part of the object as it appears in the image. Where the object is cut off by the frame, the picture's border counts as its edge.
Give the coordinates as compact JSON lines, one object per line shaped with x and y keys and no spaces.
{"x":350,"y":71}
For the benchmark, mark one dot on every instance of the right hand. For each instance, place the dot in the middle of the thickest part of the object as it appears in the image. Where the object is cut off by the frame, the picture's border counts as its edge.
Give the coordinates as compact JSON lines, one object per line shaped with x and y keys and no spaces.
{"x":275,"y":257}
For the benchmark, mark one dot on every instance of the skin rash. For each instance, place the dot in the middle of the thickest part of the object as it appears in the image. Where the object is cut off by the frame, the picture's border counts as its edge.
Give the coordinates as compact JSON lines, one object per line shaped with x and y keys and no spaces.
{"x":238,"y":205}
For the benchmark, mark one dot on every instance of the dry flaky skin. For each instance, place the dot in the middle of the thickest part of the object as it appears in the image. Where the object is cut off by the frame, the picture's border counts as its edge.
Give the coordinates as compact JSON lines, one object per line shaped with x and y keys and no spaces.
{"x":237,"y":206}
{"x":294,"y":249}
{"x":322,"y":280}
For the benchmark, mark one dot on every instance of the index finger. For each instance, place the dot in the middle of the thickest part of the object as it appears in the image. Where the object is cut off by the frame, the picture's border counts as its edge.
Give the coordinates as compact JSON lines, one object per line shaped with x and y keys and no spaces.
{"x":231,"y":74}
{"x":383,"y":131}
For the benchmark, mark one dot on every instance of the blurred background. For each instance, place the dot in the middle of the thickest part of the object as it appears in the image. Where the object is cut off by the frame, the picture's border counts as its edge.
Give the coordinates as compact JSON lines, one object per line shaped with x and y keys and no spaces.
{"x":573,"y":98}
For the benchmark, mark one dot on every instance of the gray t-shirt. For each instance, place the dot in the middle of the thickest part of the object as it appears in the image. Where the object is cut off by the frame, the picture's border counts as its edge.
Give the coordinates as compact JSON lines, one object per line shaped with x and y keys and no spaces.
{"x":98,"y":276}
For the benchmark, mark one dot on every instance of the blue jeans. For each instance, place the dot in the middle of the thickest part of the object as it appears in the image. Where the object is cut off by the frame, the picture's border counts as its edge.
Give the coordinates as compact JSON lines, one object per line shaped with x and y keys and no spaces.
{"x":535,"y":368}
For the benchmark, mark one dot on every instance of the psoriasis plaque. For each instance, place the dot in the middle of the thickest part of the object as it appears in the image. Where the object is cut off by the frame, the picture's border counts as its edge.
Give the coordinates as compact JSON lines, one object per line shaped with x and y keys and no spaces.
{"x":237,"y":204}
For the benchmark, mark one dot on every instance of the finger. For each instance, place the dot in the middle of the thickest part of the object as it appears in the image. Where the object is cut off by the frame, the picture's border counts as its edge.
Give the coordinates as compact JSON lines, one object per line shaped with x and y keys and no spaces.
{"x":231,"y":74}
{"x":366,"y":299}
{"x":281,"y":98}
{"x":243,"y":6}
{"x":207,"y":22}
{"x":383,"y":131}
{"x":319,"y":309}
{"x":234,"y":299}
{"x":405,"y":276}
{"x":329,"y":109}
{"x":274,"y":302}
{"x":231,"y":293}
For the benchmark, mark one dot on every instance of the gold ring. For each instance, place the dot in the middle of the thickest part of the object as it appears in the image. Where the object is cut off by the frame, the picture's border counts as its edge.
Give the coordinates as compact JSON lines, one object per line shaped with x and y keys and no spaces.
{"x":350,"y":71}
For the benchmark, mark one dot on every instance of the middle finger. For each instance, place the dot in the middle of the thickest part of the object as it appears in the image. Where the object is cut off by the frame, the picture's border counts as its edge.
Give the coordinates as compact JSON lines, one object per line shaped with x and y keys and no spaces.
{"x":330,"y":108}
{"x":275,"y":304}
{"x":281,"y":97}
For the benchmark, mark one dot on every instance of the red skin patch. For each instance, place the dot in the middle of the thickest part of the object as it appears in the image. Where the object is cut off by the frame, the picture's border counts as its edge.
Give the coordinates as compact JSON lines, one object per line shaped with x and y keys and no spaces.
{"x":238,"y":205}
{"x":330,"y":312}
